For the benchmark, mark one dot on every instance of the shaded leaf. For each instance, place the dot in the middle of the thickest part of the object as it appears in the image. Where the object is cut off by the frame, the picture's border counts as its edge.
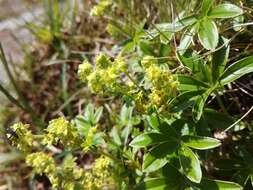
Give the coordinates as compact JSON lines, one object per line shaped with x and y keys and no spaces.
{"x":153,"y":121}
{"x":188,"y":83}
{"x":217,"y":120}
{"x":207,"y":184}
{"x":157,"y":157}
{"x":146,"y":139}
{"x":219,"y":59}
{"x":185,"y":100}
{"x":190,"y":164}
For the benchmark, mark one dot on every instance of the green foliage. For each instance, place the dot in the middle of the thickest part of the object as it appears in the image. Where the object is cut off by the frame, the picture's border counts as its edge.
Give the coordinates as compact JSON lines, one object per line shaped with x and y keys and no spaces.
{"x":158,"y":130}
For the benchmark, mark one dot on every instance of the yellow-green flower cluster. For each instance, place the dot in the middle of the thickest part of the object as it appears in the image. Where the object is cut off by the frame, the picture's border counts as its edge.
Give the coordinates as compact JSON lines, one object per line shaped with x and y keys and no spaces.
{"x":98,"y":10}
{"x":23,"y":139}
{"x":84,"y":70}
{"x":68,"y":174}
{"x":164,"y":86}
{"x":61,"y":130}
{"x":41,"y":163}
{"x":105,"y":76}
{"x":63,"y":177}
{"x":100,"y":175}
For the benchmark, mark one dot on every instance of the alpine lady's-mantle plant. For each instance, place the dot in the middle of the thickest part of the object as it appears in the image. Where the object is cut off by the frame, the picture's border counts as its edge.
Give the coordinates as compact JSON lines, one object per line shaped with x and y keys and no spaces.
{"x":163,"y":136}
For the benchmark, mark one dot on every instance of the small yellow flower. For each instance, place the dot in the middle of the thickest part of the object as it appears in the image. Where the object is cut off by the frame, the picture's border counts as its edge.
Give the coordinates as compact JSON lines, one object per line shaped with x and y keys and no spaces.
{"x":84,"y":70}
{"x":103,"y":61}
{"x":157,"y":97}
{"x":148,"y":60}
{"x":61,"y":130}
{"x":120,"y":64}
{"x":24,"y":140}
{"x":99,"y":9}
{"x":41,"y":162}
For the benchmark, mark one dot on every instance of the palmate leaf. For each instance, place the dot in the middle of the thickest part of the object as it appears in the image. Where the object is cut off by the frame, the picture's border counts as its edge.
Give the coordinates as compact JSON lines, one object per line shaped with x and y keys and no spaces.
{"x":225,"y":11}
{"x":190,"y":164}
{"x":237,"y":70}
{"x":208,"y":34}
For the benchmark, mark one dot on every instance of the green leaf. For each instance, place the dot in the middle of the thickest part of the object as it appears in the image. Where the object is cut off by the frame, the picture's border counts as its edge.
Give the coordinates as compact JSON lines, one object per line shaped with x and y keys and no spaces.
{"x":229,"y":164}
{"x":165,"y":36}
{"x":146,"y":139}
{"x":190,"y":59}
{"x":186,"y":39}
{"x":201,"y":143}
{"x":217,"y":120}
{"x":157,"y":157}
{"x":208,"y":34}
{"x":126,"y":115}
{"x":237,"y":70}
{"x":225,"y":11}
{"x":98,"y":114}
{"x":89,"y":113}
{"x":206,"y":5}
{"x":129,"y":47}
{"x":162,"y":184}
{"x":188,"y":83}
{"x":151,"y":163}
{"x":176,"y":26}
{"x":199,"y":105}
{"x":185,"y":100}
{"x":156,"y":184}
{"x":146,"y":48}
{"x":153,"y":121}
{"x":190,"y":164}
{"x":116,"y":136}
{"x":207,"y":184}
{"x":172,"y":179}
{"x":219,"y":59}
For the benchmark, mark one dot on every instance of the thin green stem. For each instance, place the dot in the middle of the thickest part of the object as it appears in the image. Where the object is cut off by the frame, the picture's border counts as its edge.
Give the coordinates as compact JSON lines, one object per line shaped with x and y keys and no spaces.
{"x":24,"y":105}
{"x":231,"y":126}
{"x":221,"y":103}
{"x":7,"y":69}
{"x":11,"y":98}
